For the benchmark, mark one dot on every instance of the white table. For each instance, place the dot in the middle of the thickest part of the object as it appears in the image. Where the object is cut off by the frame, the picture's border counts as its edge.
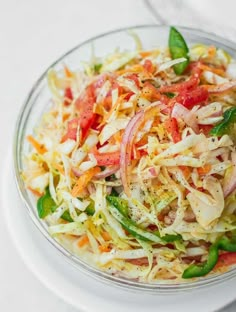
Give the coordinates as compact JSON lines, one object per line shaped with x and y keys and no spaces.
{"x":34,"y":33}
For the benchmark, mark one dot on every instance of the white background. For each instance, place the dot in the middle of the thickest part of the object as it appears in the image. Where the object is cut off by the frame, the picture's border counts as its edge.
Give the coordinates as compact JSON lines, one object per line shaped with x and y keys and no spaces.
{"x":33,"y":33}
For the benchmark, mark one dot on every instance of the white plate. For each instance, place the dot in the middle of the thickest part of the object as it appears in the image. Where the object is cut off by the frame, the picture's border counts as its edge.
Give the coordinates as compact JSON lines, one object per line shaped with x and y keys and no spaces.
{"x":80,"y":290}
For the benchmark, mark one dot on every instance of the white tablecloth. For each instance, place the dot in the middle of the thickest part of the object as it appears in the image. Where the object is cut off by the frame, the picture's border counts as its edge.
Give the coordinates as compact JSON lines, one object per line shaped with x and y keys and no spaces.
{"x":33,"y":33}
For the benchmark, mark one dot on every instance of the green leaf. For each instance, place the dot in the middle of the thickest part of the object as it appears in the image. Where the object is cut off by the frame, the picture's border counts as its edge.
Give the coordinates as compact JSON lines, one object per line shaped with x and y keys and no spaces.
{"x":178,"y":48}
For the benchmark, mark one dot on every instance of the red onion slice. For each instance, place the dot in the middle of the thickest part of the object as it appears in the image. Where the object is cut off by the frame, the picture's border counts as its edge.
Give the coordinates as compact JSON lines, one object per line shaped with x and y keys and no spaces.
{"x":222,"y":87}
{"x":127,"y":144}
{"x":78,"y":173}
{"x":101,"y":175}
{"x":179,"y":111}
{"x":107,"y":172}
{"x":126,"y":149}
{"x":153,"y":172}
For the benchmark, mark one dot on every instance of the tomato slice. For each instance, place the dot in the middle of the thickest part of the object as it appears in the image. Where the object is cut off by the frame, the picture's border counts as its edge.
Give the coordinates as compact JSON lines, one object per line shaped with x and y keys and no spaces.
{"x":107,"y":159}
{"x":148,"y":66}
{"x":190,"y":99}
{"x":71,"y":129}
{"x":226,"y":259}
{"x":182,"y":86}
{"x":68,"y":96}
{"x":128,"y":96}
{"x":172,"y":127}
{"x":134,"y":77}
{"x":205,"y":128}
{"x":85,"y":104}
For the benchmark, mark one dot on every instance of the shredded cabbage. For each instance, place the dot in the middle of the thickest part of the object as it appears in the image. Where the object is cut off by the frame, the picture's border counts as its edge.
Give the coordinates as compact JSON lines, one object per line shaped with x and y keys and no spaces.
{"x":128,"y":127}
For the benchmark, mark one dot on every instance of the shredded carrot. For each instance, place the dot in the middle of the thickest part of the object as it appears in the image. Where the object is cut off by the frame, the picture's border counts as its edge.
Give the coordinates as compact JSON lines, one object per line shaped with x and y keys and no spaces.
{"x":186,"y":171}
{"x":218,"y":71}
{"x":40,"y":148}
{"x":68,"y":73}
{"x":84,"y":180}
{"x":114,"y":108}
{"x":106,"y":236}
{"x":163,"y":75}
{"x":204,"y":170}
{"x":83,"y":241}
{"x":212,"y":51}
{"x":118,"y":136}
{"x":104,"y":248}
{"x":112,"y":140}
{"x":143,"y":141}
{"x":145,"y":53}
{"x":156,"y":122}
{"x":36,"y":193}
{"x":65,"y":116}
{"x":150,"y":92}
{"x":138,"y":68}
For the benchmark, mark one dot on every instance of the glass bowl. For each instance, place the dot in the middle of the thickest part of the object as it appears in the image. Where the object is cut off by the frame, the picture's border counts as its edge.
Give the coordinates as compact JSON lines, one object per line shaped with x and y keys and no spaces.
{"x":37,"y":102}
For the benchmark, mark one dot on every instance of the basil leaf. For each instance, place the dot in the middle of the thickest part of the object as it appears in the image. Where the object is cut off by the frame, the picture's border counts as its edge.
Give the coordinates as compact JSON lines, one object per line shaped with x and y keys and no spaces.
{"x":178,"y":48}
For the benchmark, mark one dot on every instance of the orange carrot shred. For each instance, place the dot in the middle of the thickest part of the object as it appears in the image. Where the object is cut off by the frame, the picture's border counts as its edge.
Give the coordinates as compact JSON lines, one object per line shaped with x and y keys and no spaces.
{"x":40,"y":148}
{"x":185,"y":170}
{"x":83,"y":241}
{"x":212,"y":51}
{"x":106,"y":236}
{"x":218,"y":71}
{"x":104,"y":248}
{"x":65,"y":116}
{"x":35,"y":192}
{"x":145,"y":53}
{"x":68,"y":73}
{"x":204,"y":170}
{"x":84,"y":180}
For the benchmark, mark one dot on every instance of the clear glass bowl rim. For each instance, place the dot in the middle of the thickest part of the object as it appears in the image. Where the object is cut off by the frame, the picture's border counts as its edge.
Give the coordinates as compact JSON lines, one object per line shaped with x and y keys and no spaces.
{"x":162,"y":288}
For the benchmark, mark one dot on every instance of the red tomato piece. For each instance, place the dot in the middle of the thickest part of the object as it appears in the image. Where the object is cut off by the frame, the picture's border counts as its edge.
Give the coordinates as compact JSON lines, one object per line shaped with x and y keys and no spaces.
{"x":72,"y":129}
{"x":148,"y":66}
{"x":190,"y":99}
{"x":68,"y":96}
{"x":128,"y":96}
{"x":134,"y":77}
{"x":85,"y":105}
{"x":107,"y":159}
{"x":182,"y":86}
{"x":226,"y":259}
{"x":172,"y":127}
{"x":205,"y":128}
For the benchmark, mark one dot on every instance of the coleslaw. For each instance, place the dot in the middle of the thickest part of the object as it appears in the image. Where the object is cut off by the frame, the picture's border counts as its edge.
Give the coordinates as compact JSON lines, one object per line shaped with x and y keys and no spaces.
{"x":133,"y":165}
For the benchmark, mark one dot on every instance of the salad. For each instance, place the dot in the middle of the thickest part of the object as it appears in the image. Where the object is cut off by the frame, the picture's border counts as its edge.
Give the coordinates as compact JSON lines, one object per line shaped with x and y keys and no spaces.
{"x":133,"y":165}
